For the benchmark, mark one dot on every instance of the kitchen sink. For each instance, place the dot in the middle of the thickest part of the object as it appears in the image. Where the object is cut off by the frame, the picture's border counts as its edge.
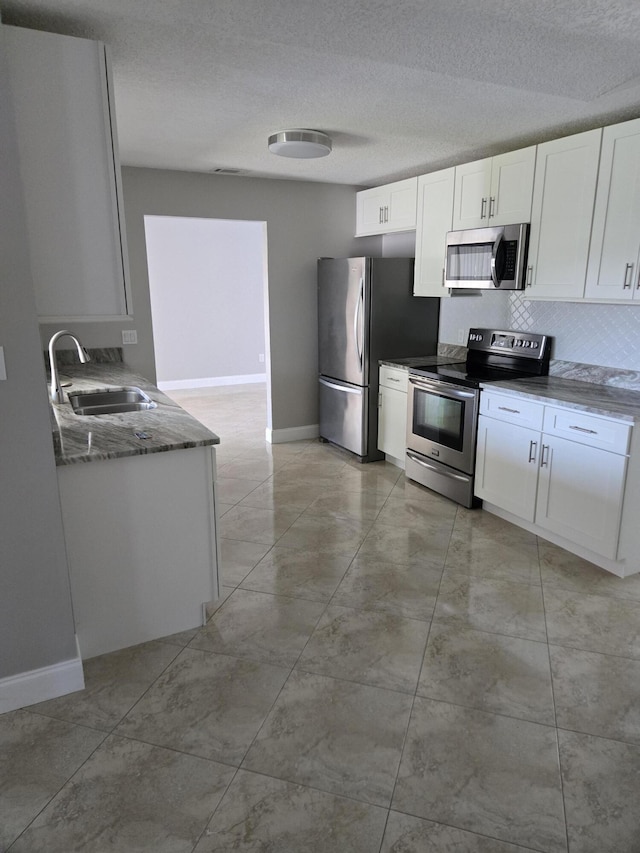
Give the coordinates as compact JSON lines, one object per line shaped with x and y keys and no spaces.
{"x":111,"y":401}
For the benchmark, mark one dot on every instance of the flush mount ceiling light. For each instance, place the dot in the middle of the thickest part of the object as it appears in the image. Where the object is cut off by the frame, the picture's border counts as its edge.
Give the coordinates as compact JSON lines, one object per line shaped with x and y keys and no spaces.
{"x":302,"y":144}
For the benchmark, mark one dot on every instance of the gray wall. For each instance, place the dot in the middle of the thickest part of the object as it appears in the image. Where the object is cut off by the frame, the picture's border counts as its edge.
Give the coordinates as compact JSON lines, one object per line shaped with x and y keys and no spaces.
{"x":305,"y":221}
{"x":36,"y":622}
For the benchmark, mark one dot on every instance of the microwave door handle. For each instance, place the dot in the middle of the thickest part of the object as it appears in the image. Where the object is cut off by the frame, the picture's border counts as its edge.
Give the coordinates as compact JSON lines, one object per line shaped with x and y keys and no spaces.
{"x":494,"y":254}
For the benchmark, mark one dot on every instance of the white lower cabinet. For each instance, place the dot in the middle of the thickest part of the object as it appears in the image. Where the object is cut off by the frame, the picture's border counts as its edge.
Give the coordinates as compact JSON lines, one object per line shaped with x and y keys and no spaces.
{"x":392,"y":413}
{"x":140,"y":533}
{"x":565,"y":479}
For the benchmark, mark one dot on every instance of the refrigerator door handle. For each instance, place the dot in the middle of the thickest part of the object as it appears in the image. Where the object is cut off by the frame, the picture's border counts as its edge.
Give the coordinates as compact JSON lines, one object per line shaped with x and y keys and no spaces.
{"x":337,"y":387}
{"x":359,"y":343}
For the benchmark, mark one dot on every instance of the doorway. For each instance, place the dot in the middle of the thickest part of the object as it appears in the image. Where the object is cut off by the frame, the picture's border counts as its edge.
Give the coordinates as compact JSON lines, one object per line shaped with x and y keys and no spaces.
{"x":208,"y":293}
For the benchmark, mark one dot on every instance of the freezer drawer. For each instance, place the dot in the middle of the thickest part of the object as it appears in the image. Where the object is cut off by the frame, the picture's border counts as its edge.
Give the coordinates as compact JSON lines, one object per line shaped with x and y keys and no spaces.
{"x":343,"y":414}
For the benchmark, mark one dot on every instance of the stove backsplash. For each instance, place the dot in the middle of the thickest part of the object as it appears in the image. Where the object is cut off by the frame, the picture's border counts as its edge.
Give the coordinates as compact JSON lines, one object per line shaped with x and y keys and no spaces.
{"x":584,"y":334}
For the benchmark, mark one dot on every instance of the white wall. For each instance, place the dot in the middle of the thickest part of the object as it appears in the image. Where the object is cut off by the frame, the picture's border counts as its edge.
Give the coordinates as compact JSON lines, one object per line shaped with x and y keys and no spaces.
{"x":36,"y":621}
{"x":207,"y":290}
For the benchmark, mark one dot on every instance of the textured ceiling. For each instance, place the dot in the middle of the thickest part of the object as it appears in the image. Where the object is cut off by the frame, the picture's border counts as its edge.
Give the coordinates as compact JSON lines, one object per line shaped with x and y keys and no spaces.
{"x":402,"y":87}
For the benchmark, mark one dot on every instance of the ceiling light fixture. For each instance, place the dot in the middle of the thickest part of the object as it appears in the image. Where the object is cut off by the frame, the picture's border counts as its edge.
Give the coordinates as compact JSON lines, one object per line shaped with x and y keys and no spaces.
{"x":302,"y":144}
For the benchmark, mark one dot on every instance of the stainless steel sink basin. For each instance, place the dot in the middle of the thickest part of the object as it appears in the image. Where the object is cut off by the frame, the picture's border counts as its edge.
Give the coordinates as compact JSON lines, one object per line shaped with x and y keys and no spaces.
{"x":110,"y":402}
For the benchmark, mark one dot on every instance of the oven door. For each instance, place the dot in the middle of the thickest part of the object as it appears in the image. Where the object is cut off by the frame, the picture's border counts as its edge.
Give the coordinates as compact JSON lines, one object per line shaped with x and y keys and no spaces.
{"x":442,"y":421}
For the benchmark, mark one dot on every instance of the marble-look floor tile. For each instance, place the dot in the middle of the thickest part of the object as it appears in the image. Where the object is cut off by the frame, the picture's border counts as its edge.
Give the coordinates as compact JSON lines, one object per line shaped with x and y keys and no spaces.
{"x":487,"y":546}
{"x":223,"y":508}
{"x":378,"y":477}
{"x":260,"y":813}
{"x":325,"y":535}
{"x":263,"y":627}
{"x":491,"y":672}
{"x":337,"y":736}
{"x":597,"y":694}
{"x":406,"y":488}
{"x":568,"y":571}
{"x":417,"y":514}
{"x":405,"y":545}
{"x":273,"y":493}
{"x":37,"y":756}
{"x":213,"y":606}
{"x":600,"y":778}
{"x":250,"y":524}
{"x":499,"y":606}
{"x":299,"y":574}
{"x":483,"y":772}
{"x":113,"y":684}
{"x":130,"y":797}
{"x":237,"y":558}
{"x":371,"y":647}
{"x":595,"y":623}
{"x":352,"y":504}
{"x":404,"y":590}
{"x":231,"y":490}
{"x":250,"y":468}
{"x":206,"y":704}
{"x":407,"y":834}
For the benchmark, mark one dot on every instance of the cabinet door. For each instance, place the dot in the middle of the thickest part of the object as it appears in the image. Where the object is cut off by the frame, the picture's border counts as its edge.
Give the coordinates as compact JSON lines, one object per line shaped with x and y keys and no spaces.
{"x":615,"y":241}
{"x":435,"y":210}
{"x":507,"y":466}
{"x":70,"y":174}
{"x":402,"y":204}
{"x":512,"y":187}
{"x":471,"y":200}
{"x":562,"y":211}
{"x":392,"y":422}
{"x":580,"y":493}
{"x":370,"y":205}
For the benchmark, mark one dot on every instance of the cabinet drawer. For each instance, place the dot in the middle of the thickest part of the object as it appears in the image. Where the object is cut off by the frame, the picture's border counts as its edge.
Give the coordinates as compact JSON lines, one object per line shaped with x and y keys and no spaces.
{"x":588,"y":429}
{"x":515,"y":410}
{"x":394,"y":377}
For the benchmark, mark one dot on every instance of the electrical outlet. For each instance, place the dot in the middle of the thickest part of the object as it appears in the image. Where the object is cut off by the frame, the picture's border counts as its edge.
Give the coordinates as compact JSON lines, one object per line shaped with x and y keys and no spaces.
{"x":129,"y":336}
{"x":261,"y":358}
{"x":461,"y":336}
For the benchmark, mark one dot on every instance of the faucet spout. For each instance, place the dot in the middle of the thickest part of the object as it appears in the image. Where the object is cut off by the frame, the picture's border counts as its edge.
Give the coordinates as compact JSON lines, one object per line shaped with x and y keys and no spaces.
{"x":56,"y":392}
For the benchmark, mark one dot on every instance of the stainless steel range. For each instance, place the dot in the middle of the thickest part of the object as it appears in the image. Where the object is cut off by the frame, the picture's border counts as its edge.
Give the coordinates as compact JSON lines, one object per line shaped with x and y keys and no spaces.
{"x":443,"y":403}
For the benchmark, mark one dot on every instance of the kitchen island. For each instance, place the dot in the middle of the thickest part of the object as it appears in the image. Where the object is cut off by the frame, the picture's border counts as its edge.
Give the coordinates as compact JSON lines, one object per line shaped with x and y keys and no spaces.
{"x":138,"y":503}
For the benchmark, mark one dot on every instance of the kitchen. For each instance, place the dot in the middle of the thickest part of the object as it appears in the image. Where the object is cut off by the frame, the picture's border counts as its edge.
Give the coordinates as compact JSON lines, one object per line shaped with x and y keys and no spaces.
{"x":326,"y":228}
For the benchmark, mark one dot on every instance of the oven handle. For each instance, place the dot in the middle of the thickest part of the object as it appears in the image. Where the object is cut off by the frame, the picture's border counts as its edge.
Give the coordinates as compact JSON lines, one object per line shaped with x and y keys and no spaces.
{"x":437,"y":469}
{"x":442,"y":388}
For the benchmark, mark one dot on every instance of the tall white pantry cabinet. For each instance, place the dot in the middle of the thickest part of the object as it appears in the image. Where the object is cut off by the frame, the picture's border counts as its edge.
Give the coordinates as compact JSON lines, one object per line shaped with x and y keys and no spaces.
{"x":70,"y":171}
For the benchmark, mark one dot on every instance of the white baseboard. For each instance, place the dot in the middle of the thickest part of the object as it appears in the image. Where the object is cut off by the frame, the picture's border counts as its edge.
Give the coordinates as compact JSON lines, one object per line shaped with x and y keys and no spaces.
{"x":211,"y":381}
{"x":279,"y":436}
{"x":38,"y":685}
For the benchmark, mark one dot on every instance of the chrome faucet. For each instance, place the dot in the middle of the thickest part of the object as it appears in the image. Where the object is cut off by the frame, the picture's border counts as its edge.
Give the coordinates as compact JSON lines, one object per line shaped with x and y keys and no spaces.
{"x":57,"y":394}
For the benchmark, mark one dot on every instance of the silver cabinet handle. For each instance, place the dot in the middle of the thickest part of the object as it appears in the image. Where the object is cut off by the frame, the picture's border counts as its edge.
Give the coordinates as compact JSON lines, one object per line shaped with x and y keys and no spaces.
{"x":584,"y":429}
{"x":529,"y":277}
{"x":392,"y":379}
{"x":627,"y":277}
{"x":505,"y":409}
{"x":443,"y":278}
{"x":380,"y":215}
{"x":386,"y":214}
{"x":533,"y":451}
{"x":483,"y":208}
{"x":544,"y":461}
{"x":492,"y":206}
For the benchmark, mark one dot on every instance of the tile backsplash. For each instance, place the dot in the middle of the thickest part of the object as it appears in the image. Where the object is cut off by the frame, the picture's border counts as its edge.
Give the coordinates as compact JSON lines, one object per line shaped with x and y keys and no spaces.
{"x":607,"y":335}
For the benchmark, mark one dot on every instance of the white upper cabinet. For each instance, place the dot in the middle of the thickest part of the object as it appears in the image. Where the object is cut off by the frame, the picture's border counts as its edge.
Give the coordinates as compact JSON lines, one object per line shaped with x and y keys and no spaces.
{"x":613,"y":272}
{"x":494,"y":191}
{"x":385,"y":209}
{"x":435,"y":210}
{"x":563,"y":201}
{"x":70,"y":173}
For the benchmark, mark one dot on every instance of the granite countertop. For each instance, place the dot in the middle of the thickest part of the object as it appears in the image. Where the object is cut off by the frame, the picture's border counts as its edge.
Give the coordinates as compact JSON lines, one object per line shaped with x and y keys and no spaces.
{"x":608,"y":400}
{"x":89,"y":438}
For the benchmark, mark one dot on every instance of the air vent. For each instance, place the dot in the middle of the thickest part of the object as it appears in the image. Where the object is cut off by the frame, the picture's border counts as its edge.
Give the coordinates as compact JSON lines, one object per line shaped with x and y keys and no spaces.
{"x":228,"y":171}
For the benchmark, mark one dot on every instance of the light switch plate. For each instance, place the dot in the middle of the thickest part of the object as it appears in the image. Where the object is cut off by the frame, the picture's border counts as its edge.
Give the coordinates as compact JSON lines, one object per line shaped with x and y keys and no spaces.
{"x":129,"y":336}
{"x":3,"y":367}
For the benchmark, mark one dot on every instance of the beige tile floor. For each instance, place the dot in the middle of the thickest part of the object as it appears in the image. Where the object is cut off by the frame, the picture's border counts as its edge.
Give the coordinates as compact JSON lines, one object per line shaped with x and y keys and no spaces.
{"x":386,"y":671}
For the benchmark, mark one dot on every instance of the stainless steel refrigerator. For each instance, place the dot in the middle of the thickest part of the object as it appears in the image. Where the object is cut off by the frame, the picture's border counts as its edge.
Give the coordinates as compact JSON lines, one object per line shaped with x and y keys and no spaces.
{"x":366,"y":312}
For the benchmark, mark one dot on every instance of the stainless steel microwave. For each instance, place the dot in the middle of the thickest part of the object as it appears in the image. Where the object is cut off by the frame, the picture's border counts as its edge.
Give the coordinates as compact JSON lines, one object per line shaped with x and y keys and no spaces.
{"x":487,"y":258}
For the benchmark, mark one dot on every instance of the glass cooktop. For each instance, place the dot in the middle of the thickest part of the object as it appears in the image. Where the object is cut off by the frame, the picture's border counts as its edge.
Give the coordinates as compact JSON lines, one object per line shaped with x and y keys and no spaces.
{"x":460,"y":373}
